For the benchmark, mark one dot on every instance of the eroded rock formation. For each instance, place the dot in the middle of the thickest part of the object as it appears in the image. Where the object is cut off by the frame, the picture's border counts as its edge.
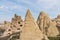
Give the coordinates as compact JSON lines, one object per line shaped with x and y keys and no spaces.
{"x":11,"y":28}
{"x":29,"y":29}
{"x":57,"y":21}
{"x":47,"y":26}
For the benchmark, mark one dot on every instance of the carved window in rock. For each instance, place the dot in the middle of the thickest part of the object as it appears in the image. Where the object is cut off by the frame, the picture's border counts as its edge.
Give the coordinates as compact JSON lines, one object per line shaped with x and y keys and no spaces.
{"x":9,"y":29}
{"x":21,"y":25}
{"x":18,"y":28}
{"x":18,"y":22}
{"x":14,"y":25}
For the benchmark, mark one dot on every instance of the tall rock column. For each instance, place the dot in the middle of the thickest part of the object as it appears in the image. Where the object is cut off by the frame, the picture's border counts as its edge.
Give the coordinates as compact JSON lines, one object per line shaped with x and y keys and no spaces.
{"x":30,"y":31}
{"x":42,"y":22}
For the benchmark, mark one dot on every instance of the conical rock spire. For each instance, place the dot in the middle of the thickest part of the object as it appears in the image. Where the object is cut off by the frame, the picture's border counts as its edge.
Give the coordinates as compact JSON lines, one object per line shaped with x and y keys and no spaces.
{"x":29,"y":16}
{"x":30,"y":31}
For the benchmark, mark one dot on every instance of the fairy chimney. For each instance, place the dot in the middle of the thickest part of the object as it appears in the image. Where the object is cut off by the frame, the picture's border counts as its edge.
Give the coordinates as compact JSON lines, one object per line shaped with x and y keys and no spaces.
{"x":58,"y":22}
{"x":30,"y":31}
{"x":46,"y":25}
{"x":16,"y":19}
{"x":42,"y":21}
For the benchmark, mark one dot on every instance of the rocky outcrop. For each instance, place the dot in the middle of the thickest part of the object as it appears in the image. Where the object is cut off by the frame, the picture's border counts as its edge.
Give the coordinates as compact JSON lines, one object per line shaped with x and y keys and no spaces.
{"x":46,"y":25}
{"x":31,"y":31}
{"x":57,"y":21}
{"x":52,"y":30}
{"x":17,"y":19}
{"x":42,"y":21}
{"x":15,"y":25}
{"x":17,"y":22}
{"x":12,"y":27}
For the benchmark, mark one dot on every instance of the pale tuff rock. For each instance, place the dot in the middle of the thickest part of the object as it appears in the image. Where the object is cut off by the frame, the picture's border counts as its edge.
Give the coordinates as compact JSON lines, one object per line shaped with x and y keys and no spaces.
{"x":46,"y":25}
{"x":17,"y":23}
{"x":31,"y":31}
{"x":12,"y":27}
{"x":42,"y":21}
{"x":6,"y":27}
{"x":52,"y":30}
{"x":28,"y":29}
{"x":16,"y":19}
{"x":57,"y":21}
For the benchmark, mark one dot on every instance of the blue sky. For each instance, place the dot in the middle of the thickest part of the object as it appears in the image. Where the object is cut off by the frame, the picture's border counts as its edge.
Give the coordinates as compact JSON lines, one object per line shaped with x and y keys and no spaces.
{"x":10,"y":7}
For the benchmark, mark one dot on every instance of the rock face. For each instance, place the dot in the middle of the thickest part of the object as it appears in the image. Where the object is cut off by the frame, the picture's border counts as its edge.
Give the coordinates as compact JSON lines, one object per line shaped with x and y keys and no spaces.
{"x":15,"y":26}
{"x":30,"y":30}
{"x":58,"y":21}
{"x":52,"y":30}
{"x":17,"y":19}
{"x":47,"y":26}
{"x":17,"y":22}
{"x":42,"y":21}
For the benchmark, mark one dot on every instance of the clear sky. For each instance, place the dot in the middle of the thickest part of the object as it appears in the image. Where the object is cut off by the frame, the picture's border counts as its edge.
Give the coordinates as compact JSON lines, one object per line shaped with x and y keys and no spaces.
{"x":10,"y":7}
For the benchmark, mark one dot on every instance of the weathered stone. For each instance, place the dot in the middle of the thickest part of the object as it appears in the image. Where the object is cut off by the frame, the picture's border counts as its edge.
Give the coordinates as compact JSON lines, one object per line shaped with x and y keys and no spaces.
{"x":46,"y":25}
{"x":16,"y":19}
{"x":30,"y":31}
{"x":57,"y":21}
{"x":12,"y":27}
{"x":52,"y":30}
{"x":42,"y":21}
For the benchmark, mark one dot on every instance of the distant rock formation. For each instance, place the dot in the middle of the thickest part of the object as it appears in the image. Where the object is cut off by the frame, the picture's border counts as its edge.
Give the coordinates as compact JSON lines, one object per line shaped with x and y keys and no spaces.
{"x":57,"y":21}
{"x":12,"y":27}
{"x":16,"y":19}
{"x":42,"y":21}
{"x":46,"y":25}
{"x":29,"y":29}
{"x":52,"y":30}
{"x":17,"y":22}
